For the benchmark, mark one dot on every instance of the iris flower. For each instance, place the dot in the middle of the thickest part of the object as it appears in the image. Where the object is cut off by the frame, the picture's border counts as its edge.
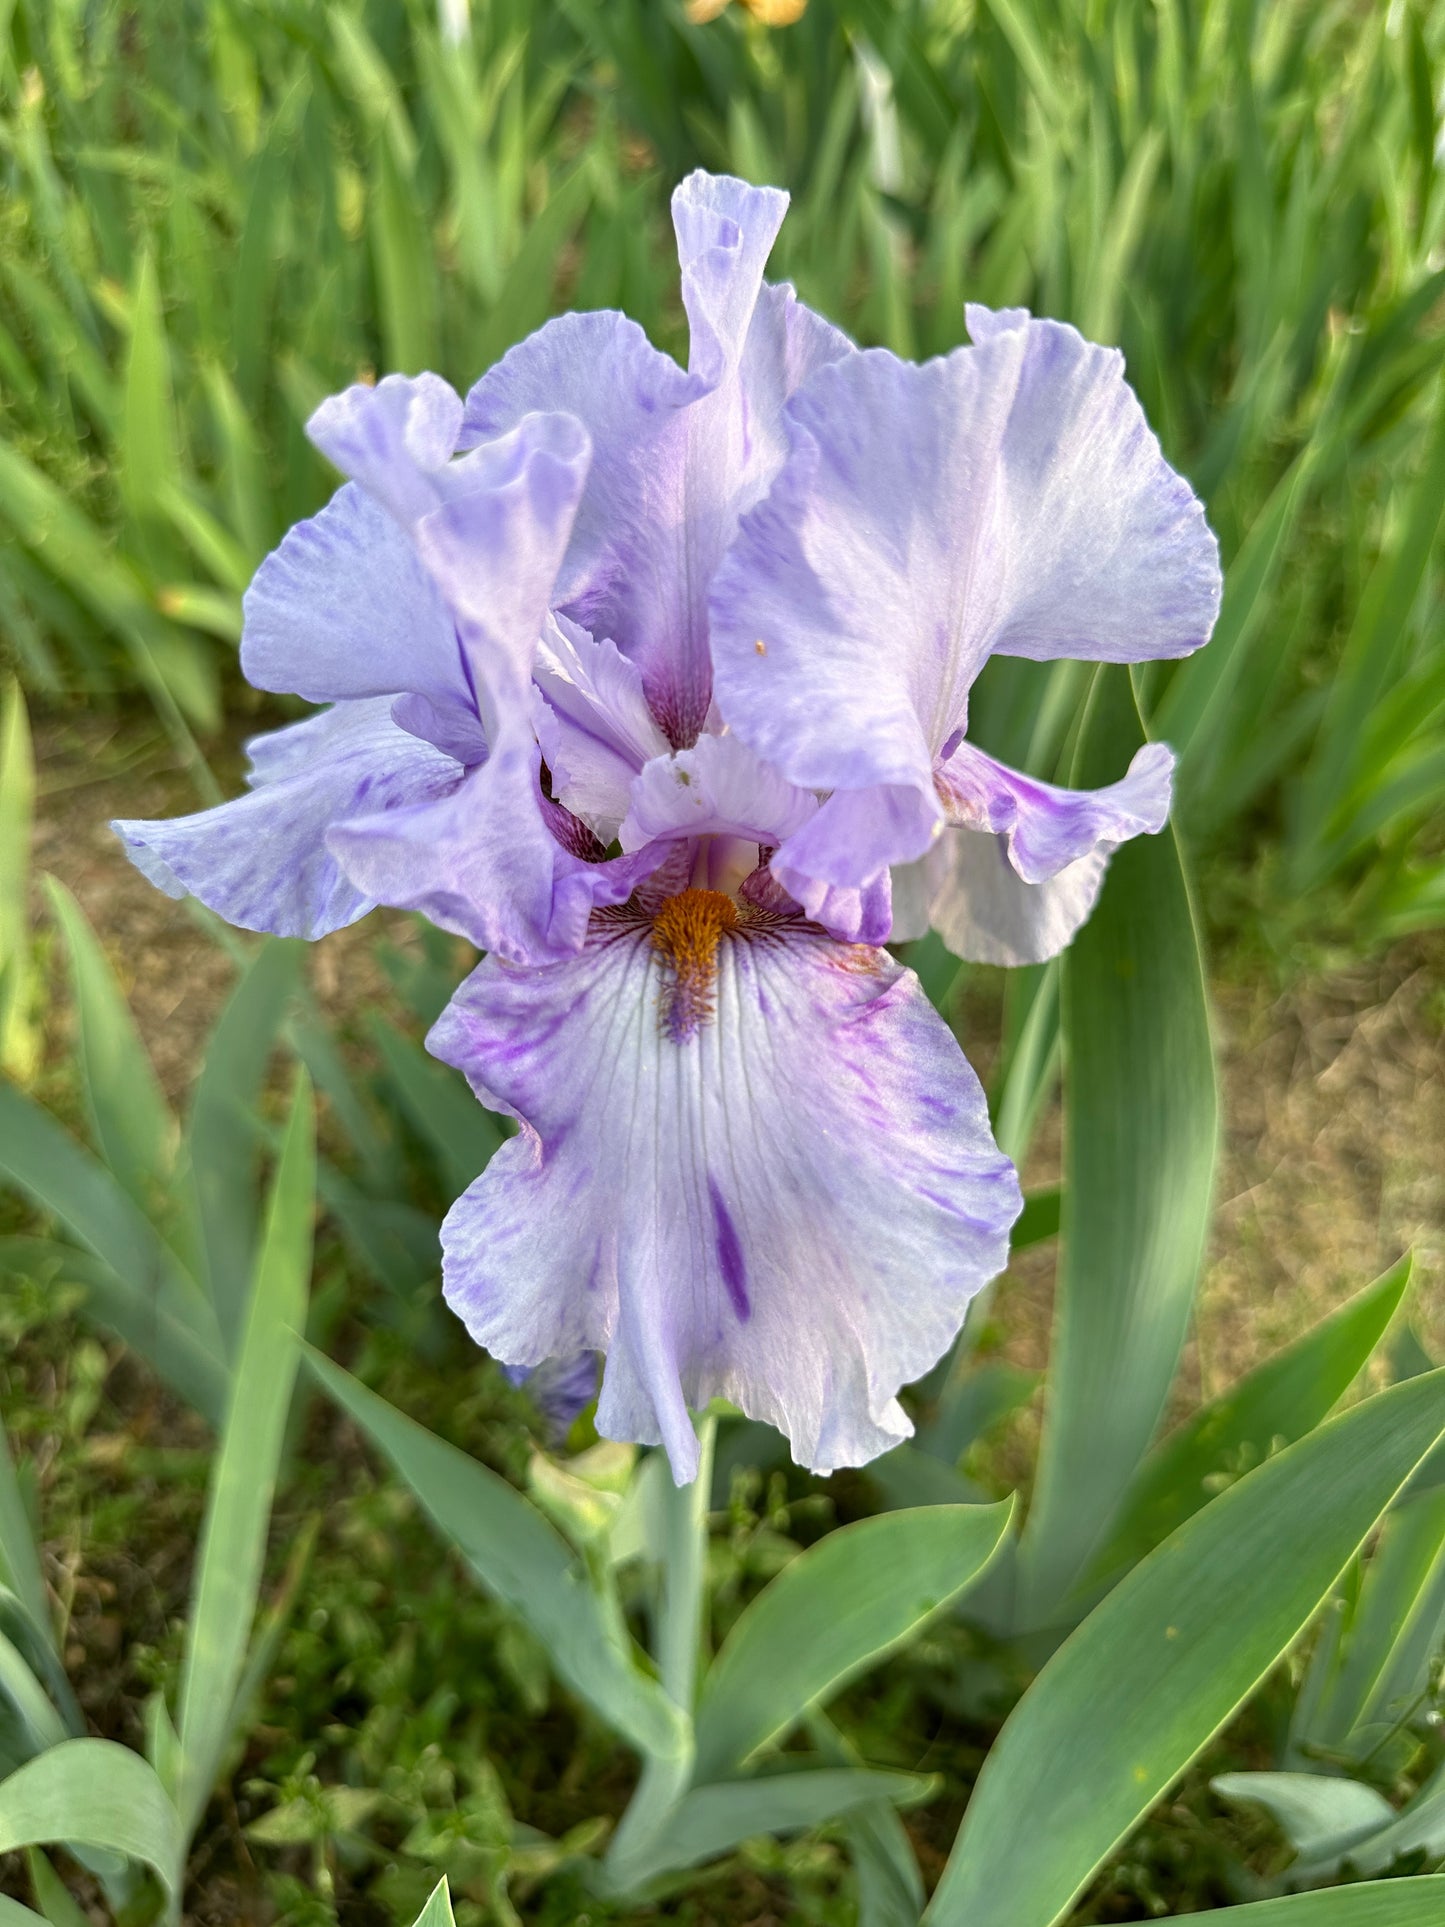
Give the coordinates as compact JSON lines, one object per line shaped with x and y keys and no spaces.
{"x":653,"y":682}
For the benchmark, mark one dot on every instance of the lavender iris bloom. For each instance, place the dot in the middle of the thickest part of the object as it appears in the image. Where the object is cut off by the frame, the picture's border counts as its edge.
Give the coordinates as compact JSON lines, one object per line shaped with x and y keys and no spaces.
{"x":658,"y":692}
{"x":561,"y":1389}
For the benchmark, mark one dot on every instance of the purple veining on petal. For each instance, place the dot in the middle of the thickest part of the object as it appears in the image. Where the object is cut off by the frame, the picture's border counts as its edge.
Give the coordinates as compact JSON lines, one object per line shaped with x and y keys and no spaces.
{"x":571,"y":832}
{"x":262,"y":861}
{"x":671,"y":875}
{"x":820,"y":1181}
{"x":934,"y":1197}
{"x":730,"y":1254}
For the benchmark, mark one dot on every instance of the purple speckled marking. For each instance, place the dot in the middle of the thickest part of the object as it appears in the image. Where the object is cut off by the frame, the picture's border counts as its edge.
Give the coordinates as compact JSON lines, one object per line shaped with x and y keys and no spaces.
{"x":730,"y":1255}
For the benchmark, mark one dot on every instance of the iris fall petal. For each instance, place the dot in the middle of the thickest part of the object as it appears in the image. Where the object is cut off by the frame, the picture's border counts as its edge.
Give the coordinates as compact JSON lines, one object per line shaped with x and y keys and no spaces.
{"x":787,"y":1204}
{"x":262,"y":861}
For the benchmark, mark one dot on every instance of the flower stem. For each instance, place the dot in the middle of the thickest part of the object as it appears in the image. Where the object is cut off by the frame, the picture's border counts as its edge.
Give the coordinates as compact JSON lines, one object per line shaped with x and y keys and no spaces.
{"x":678,"y":1633}
{"x":677,"y":1644}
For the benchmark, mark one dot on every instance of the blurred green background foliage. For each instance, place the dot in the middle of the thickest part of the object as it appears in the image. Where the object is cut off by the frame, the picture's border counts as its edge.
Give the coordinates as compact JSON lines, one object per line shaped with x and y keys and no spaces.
{"x":215,"y":213}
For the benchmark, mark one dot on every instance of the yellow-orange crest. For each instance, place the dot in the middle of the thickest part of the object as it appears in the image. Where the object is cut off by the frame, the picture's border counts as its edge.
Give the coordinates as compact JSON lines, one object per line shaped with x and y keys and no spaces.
{"x":687,"y":930}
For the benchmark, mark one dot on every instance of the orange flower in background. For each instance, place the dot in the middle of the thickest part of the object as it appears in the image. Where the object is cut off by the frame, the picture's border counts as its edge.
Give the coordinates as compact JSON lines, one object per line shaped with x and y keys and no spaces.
{"x":772,"y":13}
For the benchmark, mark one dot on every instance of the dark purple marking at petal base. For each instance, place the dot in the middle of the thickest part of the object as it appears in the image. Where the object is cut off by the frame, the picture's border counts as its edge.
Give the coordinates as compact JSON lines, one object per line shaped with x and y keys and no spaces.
{"x":730,"y":1255}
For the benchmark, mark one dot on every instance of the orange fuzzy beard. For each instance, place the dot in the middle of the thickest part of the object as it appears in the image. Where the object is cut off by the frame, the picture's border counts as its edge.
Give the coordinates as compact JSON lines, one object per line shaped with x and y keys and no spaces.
{"x":687,"y":930}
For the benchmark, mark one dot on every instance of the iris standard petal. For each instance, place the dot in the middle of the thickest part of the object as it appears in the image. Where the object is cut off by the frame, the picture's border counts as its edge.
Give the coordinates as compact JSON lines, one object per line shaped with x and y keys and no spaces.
{"x":719,"y":787}
{"x":493,"y":546}
{"x":615,"y":579}
{"x":391,"y":438}
{"x":593,"y":723}
{"x":852,"y":612}
{"x":1106,"y":552}
{"x":725,"y":232}
{"x":677,"y":456}
{"x":1012,"y":883}
{"x":777,"y":1186}
{"x":262,"y":861}
{"x":1007,"y":497}
{"x":490,"y":530}
{"x":344,"y":608}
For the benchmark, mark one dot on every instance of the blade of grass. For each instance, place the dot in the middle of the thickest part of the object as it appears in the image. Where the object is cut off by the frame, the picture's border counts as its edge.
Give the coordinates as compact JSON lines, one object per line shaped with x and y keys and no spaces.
{"x":233,"y":1536}
{"x":1371,"y":658}
{"x":19,"y":1041}
{"x":524,"y":1562}
{"x":222,"y":1144}
{"x":134,"y":1130}
{"x":1370,"y":1903}
{"x":155,"y":1293}
{"x":148,"y":446}
{"x":19,"y":1559}
{"x":461,"y":1135}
